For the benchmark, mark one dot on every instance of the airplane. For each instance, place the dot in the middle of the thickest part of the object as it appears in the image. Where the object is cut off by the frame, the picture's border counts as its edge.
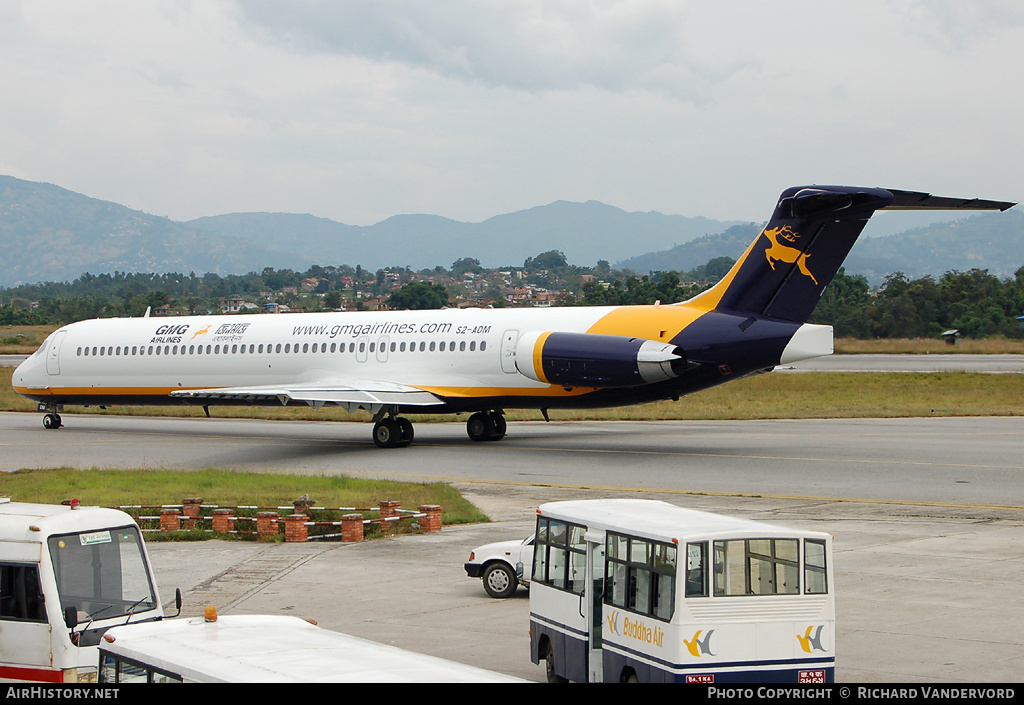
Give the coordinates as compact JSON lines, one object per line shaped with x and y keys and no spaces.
{"x":482,"y":361}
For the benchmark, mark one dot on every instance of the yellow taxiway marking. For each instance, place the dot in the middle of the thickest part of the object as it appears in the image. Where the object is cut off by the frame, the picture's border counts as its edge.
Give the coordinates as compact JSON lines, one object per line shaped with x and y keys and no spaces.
{"x":698,"y":493}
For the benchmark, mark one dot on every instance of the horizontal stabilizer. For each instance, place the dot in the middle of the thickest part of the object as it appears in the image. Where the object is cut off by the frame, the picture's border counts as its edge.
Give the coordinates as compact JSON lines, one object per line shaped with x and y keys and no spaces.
{"x":917,"y":201}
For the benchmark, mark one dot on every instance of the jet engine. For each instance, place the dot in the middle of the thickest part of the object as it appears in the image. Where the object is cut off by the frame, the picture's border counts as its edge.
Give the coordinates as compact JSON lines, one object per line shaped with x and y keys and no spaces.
{"x":592,"y":360}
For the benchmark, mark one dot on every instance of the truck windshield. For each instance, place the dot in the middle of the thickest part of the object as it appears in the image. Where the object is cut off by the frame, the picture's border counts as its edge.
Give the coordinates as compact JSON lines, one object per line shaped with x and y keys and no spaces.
{"x":102,"y":574}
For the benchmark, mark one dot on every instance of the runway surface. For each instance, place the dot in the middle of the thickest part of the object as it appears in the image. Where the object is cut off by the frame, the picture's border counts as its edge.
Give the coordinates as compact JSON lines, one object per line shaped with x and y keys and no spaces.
{"x":990,"y":364}
{"x":963,"y":461}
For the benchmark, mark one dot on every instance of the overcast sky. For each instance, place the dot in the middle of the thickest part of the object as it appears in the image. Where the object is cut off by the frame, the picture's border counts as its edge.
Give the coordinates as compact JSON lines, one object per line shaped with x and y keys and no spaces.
{"x":359,"y":110}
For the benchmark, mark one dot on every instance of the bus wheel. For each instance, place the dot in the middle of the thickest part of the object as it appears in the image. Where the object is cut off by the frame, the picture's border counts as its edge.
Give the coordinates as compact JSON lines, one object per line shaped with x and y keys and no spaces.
{"x":549,"y":667}
{"x":629,"y":676}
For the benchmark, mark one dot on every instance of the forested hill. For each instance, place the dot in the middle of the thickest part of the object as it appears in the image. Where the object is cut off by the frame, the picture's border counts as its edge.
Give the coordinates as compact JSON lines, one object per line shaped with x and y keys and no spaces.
{"x":48,"y":233}
{"x":993,"y":241}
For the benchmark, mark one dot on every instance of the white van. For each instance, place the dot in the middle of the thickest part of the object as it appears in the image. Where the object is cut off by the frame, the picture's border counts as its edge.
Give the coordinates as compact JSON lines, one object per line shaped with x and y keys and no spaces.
{"x":266,"y":649}
{"x":67,"y":574}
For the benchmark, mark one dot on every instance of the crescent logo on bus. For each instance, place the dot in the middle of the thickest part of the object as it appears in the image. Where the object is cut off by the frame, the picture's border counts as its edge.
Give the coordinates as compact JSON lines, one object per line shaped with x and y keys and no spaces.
{"x":697,"y":646}
{"x":811,"y":643}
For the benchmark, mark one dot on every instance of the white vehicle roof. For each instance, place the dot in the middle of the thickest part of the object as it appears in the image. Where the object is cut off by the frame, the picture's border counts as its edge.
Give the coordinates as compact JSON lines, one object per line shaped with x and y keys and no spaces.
{"x":659,"y":520}
{"x":18,"y":518}
{"x":278,"y":649}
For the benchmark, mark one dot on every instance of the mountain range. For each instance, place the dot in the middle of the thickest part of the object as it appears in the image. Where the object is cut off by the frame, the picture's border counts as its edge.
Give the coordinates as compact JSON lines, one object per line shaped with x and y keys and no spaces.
{"x":48,"y":233}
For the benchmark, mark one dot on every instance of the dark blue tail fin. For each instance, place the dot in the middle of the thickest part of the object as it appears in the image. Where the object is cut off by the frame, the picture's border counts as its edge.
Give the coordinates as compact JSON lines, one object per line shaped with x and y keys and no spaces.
{"x":786,"y":269}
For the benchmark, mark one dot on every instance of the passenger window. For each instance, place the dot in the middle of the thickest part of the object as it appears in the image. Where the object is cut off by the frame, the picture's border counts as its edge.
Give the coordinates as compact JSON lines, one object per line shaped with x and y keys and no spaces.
{"x":815,"y":580}
{"x":697,"y":569}
{"x":640,"y":575}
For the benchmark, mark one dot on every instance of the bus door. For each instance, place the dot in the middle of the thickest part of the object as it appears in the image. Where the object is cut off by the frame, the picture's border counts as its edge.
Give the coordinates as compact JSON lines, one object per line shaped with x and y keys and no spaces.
{"x":592,"y":601}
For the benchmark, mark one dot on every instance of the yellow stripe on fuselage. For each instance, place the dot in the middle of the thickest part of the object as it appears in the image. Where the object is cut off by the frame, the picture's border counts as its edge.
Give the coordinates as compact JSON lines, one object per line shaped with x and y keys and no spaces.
{"x":664,"y":322}
{"x":488,"y":392}
{"x":651,"y":322}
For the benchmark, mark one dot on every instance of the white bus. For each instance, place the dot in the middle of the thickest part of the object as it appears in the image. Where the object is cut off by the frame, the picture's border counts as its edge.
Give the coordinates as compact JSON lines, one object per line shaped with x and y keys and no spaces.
{"x":266,"y":649}
{"x":638,"y":590}
{"x":67,"y":573}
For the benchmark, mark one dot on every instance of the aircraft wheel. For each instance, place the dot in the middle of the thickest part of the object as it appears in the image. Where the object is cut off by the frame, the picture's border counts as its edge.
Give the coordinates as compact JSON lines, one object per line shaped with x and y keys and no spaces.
{"x":386,"y":433}
{"x":500,"y":426}
{"x":480,"y":427}
{"x":405,"y":430}
{"x":51,"y":421}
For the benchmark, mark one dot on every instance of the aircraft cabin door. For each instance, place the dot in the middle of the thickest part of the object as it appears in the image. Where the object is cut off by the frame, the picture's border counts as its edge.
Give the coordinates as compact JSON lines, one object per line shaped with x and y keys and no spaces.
{"x":508,"y":351}
{"x":361,"y":346}
{"x":53,"y":354}
{"x":382,"y":349}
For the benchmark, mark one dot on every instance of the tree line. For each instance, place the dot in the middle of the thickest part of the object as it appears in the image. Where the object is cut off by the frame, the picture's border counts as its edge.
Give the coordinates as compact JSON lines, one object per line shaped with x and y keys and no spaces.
{"x":976,"y":303}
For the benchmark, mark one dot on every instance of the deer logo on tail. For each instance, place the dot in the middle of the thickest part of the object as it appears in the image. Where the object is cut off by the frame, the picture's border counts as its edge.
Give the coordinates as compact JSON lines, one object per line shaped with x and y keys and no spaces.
{"x":780,"y":252}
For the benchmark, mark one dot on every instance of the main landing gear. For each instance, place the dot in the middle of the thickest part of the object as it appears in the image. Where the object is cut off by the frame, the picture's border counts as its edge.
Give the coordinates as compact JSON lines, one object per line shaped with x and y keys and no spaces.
{"x":486,"y":426}
{"x":393,"y":431}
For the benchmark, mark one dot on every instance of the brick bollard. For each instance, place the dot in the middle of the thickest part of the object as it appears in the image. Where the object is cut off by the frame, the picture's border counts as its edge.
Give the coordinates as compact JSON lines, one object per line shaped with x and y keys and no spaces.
{"x":170,"y":520}
{"x":388,"y":510}
{"x":190,"y":507}
{"x":266,"y":524}
{"x":352,"y":528}
{"x":295,"y":530}
{"x":432,"y":520}
{"x":222,"y":521}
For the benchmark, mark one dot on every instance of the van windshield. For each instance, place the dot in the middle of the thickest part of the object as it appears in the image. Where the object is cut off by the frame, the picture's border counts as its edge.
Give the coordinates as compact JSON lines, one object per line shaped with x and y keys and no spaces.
{"x":102,"y":574}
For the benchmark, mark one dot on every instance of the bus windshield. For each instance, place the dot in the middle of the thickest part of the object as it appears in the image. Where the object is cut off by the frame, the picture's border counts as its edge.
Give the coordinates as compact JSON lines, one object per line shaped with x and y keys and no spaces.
{"x":102,"y":574}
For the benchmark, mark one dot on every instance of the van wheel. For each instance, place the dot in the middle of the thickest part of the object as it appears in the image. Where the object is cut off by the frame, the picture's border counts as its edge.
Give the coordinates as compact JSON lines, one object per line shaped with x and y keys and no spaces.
{"x":499,"y":580}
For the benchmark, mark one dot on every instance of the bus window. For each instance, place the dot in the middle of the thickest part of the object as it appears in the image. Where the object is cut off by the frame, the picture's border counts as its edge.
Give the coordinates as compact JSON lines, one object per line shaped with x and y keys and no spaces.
{"x":640,"y":575}
{"x":757,"y":567}
{"x":559,"y":555}
{"x":814,"y":567}
{"x":696,"y":569}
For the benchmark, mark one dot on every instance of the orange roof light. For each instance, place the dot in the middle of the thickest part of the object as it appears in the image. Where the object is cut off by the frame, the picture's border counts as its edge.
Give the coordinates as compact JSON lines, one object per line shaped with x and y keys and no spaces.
{"x":210,"y":614}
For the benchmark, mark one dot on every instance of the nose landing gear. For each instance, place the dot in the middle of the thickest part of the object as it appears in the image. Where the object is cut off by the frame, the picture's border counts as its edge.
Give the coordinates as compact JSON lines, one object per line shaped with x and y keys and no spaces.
{"x":52,"y":419}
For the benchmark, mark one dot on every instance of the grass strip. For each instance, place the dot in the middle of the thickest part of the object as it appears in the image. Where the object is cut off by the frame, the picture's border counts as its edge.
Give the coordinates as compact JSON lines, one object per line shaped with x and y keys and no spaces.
{"x":116,"y":488}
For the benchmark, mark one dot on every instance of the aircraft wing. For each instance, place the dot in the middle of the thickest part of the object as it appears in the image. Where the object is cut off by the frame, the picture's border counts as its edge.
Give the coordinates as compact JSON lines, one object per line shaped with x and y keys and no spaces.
{"x":366,"y":394}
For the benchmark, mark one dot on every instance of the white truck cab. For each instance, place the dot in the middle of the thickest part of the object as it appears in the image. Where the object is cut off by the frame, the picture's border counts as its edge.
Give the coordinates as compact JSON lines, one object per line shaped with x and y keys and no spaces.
{"x":67,"y":574}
